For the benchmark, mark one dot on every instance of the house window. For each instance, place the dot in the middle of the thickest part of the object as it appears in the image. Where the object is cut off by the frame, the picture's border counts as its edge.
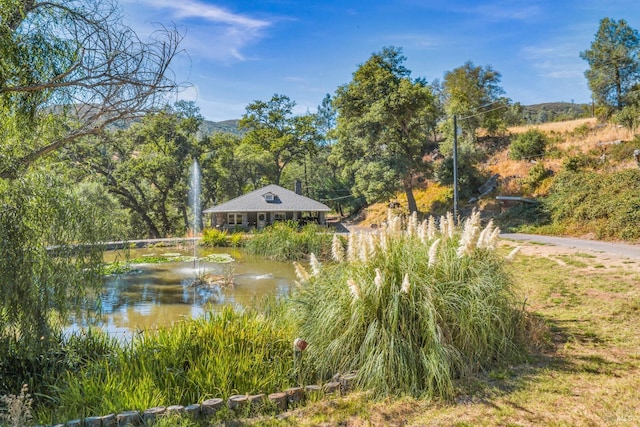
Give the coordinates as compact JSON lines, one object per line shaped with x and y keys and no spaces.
{"x":279,"y":216}
{"x":234,"y":219}
{"x":269,"y":197}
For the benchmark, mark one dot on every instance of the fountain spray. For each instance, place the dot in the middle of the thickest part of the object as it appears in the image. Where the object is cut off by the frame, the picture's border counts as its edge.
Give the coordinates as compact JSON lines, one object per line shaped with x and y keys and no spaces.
{"x":194,"y":202}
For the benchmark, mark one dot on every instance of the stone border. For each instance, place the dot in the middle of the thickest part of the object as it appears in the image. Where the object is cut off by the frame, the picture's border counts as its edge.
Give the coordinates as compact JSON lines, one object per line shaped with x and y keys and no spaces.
{"x":282,"y":401}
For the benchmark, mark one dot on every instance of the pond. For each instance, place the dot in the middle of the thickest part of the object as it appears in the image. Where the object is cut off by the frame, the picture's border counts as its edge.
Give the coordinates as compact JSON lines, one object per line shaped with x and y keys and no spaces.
{"x":157,"y":295}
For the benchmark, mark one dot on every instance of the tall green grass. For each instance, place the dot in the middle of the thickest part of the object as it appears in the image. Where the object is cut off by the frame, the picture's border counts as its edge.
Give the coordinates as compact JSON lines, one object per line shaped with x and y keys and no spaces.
{"x":232,"y":352}
{"x":410,"y":309}
{"x":285,"y":240}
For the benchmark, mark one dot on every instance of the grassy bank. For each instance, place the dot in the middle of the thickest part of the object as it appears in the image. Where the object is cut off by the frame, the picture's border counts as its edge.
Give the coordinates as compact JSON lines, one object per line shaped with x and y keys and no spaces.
{"x":217,"y":355}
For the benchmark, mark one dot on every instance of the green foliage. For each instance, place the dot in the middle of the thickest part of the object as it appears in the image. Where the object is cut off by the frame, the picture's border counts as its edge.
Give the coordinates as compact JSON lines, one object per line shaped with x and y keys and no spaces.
{"x":522,"y":217}
{"x":537,"y":174}
{"x":216,"y":355}
{"x":212,"y":237}
{"x":614,"y":63}
{"x":146,"y":167}
{"x":469,"y":176}
{"x":473,"y":94}
{"x":629,"y":117}
{"x":606,"y":203}
{"x":273,"y":129}
{"x":285,"y":240}
{"x":48,"y":259}
{"x":385,"y":120}
{"x":528,"y":145}
{"x":623,"y":152}
{"x":408,"y":314}
{"x":578,"y":162}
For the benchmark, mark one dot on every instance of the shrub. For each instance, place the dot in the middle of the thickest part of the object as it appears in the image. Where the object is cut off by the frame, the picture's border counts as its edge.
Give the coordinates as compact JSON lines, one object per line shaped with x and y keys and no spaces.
{"x":469,"y":176}
{"x":578,"y":162}
{"x":623,"y":152}
{"x":606,"y":203}
{"x":285,"y":240}
{"x":530,"y":144}
{"x":537,"y":174}
{"x":409,"y":311}
{"x":212,"y":237}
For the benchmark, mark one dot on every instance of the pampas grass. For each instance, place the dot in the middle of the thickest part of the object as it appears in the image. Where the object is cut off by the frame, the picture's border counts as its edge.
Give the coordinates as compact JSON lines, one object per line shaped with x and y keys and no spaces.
{"x":416,"y":314}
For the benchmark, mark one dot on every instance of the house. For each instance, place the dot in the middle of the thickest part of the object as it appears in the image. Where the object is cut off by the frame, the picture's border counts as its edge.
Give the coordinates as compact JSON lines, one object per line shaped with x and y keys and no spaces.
{"x":265,"y":206}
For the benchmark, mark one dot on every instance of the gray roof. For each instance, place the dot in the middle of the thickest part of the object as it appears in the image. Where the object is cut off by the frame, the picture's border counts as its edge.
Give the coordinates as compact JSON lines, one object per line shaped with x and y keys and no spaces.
{"x":283,"y":201}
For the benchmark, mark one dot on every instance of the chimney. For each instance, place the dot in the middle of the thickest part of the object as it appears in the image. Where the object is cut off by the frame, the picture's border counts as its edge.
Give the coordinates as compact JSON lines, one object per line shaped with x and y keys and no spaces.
{"x":298,"y":187}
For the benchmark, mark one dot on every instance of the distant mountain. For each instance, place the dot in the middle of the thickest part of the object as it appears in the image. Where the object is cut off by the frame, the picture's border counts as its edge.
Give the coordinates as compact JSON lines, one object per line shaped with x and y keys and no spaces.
{"x":228,"y":126}
{"x":554,"y":112}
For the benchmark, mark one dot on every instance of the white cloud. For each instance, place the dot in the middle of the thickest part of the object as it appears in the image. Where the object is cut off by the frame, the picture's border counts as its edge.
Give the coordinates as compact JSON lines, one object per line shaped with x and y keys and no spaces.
{"x":210,"y":31}
{"x":555,"y":61}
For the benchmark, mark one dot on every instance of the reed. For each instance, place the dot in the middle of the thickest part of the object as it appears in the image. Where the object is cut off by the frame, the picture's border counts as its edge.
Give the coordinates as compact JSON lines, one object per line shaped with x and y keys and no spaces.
{"x":285,"y":240}
{"x":415,"y":313}
{"x":217,"y":355}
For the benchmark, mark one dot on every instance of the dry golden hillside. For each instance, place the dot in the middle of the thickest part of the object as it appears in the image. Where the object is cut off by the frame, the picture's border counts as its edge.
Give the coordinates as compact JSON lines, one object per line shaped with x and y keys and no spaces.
{"x":568,"y":138}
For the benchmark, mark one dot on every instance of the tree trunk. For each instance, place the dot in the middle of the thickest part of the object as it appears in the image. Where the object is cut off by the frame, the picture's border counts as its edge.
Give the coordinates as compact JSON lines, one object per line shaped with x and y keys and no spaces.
{"x":411,"y":201}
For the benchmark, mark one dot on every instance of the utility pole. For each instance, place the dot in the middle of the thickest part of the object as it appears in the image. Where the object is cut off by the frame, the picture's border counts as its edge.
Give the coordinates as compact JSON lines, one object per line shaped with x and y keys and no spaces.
{"x":455,"y":169}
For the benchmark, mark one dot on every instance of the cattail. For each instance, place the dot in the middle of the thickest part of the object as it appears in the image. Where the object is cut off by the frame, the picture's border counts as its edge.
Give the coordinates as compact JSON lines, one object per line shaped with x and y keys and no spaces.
{"x":431,"y":228}
{"x":337,"y":250}
{"x":316,"y":267}
{"x":513,"y":254}
{"x":433,"y":252}
{"x":353,"y":287}
{"x":301,"y":272}
{"x":405,"y":284}
{"x":378,"y":279}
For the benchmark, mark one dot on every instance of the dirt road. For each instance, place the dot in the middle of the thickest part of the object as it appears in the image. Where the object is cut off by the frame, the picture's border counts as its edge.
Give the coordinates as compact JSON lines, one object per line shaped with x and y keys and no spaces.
{"x":605,"y":248}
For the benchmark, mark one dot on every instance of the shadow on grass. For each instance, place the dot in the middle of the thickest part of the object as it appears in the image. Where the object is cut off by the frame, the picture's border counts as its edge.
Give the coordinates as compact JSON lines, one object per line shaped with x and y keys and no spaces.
{"x":544,"y":358}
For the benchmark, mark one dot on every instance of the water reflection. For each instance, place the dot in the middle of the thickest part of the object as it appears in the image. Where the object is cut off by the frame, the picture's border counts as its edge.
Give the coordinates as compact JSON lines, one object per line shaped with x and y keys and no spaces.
{"x":157,"y":295}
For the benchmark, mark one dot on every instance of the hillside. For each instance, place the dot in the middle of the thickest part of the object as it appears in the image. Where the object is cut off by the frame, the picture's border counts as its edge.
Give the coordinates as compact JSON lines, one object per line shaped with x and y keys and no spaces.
{"x":595,"y":151}
{"x":229,"y":126}
{"x":554,"y":111}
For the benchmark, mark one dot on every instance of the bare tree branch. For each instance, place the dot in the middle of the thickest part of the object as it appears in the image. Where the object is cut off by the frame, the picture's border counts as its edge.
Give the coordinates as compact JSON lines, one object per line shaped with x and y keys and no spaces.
{"x":76,"y":58}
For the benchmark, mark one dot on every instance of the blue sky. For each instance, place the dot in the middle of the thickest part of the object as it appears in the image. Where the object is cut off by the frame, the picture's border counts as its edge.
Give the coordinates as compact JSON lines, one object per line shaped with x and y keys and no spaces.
{"x":237,"y":52}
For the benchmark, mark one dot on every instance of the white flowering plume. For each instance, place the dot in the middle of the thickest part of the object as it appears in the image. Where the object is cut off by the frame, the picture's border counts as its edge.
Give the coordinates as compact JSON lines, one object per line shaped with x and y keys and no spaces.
{"x":316,"y":267}
{"x":365,"y":247}
{"x":337,"y":250}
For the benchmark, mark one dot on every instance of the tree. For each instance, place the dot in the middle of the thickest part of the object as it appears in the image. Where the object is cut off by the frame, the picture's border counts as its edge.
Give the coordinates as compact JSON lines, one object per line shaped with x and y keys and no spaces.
{"x":383,"y":126}
{"x":273,"y":128}
{"x":474,"y":95}
{"x":614,"y":62}
{"x":68,"y":69}
{"x":147,"y":166}
{"x":48,"y":264}
{"x":326,"y":117}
